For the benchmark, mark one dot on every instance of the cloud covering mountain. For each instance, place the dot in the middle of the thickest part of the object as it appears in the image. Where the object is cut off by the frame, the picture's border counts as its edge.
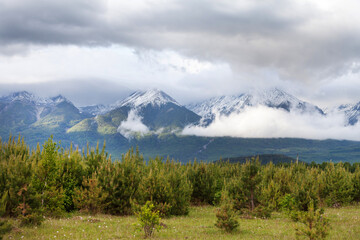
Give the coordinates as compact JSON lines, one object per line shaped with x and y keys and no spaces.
{"x":271,"y":114}
{"x":265,"y":122}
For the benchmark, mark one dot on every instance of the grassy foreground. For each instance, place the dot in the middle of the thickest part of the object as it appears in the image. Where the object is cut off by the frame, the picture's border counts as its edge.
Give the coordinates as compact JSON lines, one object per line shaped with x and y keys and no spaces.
{"x":199,"y":224}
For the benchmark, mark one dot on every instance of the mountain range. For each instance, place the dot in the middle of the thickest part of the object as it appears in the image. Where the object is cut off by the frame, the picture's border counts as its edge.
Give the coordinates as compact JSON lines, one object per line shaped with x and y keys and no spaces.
{"x":152,"y":120}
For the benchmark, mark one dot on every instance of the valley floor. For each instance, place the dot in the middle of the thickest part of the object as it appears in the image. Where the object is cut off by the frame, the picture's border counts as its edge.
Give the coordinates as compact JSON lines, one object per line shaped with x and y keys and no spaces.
{"x":199,"y":224}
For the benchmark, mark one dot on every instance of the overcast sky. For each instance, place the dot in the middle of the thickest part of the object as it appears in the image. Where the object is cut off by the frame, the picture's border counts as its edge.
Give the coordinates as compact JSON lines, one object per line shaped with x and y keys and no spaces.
{"x":99,"y":51}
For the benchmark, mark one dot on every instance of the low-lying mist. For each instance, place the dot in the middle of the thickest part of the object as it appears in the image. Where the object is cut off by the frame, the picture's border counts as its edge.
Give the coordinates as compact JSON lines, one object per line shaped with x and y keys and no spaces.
{"x":265,"y":122}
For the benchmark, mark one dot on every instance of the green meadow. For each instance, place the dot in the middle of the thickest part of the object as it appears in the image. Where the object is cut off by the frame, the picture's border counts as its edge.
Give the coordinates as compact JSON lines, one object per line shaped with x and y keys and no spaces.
{"x":199,"y":224}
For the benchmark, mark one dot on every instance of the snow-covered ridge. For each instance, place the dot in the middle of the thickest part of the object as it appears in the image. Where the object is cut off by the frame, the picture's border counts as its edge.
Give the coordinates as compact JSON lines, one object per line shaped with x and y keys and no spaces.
{"x":275,"y":98}
{"x":27,"y":97}
{"x":95,"y":109}
{"x":155,"y":97}
{"x":351,"y":111}
{"x":136,"y":100}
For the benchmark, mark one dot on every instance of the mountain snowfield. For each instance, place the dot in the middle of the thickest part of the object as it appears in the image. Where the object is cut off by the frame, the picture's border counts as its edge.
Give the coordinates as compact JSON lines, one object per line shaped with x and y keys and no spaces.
{"x":267,"y":113}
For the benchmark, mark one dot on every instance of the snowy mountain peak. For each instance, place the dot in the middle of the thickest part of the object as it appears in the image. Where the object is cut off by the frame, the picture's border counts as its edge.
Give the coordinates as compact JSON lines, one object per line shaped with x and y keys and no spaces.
{"x":280,"y":99}
{"x":23,"y":96}
{"x":155,"y":97}
{"x":274,"y":96}
{"x":31,"y":98}
{"x":58,"y":99}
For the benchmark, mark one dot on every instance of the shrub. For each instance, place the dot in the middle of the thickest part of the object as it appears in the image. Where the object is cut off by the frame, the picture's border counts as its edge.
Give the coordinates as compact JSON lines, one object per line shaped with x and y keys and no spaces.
{"x":166,"y":186}
{"x":31,"y":219}
{"x":262,"y":212}
{"x":314,"y":224}
{"x":226,"y":215}
{"x":121,"y":181}
{"x":149,"y":219}
{"x":90,"y":198}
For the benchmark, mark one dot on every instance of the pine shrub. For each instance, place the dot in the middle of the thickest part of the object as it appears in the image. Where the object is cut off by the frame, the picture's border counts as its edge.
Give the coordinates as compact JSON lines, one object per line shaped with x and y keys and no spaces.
{"x":226,"y":215}
{"x":149,"y":219}
{"x":90,"y":198}
{"x":313,"y":224}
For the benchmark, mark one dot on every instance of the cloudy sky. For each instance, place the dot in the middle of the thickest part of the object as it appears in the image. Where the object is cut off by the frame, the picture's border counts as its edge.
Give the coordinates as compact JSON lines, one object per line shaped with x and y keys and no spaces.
{"x":99,"y":50}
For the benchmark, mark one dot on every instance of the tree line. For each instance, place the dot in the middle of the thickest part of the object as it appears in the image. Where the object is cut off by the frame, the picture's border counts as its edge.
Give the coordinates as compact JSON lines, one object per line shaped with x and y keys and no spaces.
{"x":50,"y":181}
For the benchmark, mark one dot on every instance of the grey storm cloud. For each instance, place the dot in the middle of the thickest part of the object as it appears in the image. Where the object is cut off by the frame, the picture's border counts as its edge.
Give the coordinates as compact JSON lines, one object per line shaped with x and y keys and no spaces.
{"x":298,"y":40}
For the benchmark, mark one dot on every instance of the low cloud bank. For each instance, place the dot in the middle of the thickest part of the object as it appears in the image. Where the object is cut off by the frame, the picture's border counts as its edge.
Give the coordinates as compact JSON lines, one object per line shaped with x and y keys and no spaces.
{"x":265,"y":122}
{"x":132,"y":125}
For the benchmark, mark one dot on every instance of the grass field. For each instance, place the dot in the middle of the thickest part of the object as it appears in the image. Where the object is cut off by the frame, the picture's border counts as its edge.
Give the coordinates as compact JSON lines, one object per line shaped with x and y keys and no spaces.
{"x":199,"y":224}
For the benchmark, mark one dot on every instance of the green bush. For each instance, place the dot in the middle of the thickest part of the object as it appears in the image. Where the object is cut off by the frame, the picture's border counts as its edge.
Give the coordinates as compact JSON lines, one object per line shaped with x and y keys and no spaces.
{"x":120,"y":180}
{"x":31,"y":219}
{"x":90,"y":198}
{"x":166,"y":186}
{"x":149,"y":219}
{"x":205,"y":180}
{"x":313,"y":224}
{"x":226,"y":215}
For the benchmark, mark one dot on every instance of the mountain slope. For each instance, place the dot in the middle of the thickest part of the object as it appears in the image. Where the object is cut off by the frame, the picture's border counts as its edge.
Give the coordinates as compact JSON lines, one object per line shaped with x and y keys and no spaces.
{"x":154,"y":109}
{"x":102,"y":124}
{"x":158,"y":110}
{"x":25,"y":112}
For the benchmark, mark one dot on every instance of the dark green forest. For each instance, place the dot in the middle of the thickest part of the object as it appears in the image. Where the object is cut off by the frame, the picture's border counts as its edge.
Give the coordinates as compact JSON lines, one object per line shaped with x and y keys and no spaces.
{"x":50,"y":181}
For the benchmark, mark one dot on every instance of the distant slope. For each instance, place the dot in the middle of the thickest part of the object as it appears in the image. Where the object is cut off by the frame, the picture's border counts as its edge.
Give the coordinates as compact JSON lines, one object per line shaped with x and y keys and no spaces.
{"x":102,"y":124}
{"x":185,"y":148}
{"x":263,"y":158}
{"x":23,"y":112}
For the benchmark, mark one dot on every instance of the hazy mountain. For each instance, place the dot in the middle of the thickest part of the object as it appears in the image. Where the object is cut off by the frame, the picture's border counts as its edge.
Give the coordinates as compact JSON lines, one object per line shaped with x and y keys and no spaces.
{"x":351,"y":111}
{"x":23,"y":111}
{"x":274,"y":98}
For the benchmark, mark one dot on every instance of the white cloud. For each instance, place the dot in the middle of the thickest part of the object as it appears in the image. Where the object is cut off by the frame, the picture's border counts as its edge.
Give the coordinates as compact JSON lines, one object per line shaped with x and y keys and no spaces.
{"x":132,"y":125}
{"x":260,"y":122}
